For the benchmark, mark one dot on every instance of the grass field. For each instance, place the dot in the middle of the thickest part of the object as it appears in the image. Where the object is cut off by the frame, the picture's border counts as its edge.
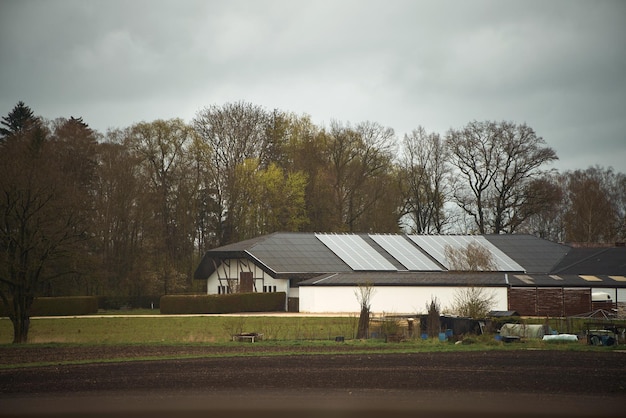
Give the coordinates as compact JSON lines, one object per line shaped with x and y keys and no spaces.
{"x":174,"y":330}
{"x":148,"y":329}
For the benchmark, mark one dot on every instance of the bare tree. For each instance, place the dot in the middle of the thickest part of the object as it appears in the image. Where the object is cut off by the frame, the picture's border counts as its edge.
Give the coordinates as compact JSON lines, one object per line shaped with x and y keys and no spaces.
{"x":43,"y":218}
{"x":425,"y":172}
{"x":473,"y":257}
{"x":546,"y":207}
{"x":473,"y":152}
{"x":385,"y":212}
{"x":495,"y":162}
{"x":596,"y":211}
{"x":364,"y":295}
{"x":357,"y":157}
{"x":118,"y":220}
{"x":473,"y":302}
{"x":522,"y":153}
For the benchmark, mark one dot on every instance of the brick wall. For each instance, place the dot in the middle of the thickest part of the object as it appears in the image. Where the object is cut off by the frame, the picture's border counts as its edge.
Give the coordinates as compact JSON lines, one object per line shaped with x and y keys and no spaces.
{"x":555,"y":302}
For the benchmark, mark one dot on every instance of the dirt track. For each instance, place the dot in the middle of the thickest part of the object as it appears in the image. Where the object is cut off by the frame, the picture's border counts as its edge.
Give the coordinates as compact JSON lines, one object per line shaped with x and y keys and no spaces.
{"x":515,"y":383}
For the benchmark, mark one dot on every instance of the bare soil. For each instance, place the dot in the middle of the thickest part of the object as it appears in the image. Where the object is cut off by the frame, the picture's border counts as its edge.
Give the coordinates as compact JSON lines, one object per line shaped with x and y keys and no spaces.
{"x":25,"y":354}
{"x":486,"y":383}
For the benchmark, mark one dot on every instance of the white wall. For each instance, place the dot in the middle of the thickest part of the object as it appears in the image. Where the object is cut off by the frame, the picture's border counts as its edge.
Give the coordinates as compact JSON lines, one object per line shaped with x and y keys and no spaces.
{"x":232,"y":272}
{"x":388,"y":299}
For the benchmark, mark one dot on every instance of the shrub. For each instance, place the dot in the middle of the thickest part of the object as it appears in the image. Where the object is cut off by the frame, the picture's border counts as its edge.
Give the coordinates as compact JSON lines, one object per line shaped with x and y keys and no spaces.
{"x":60,"y":306}
{"x":473,"y":302}
{"x":230,"y":303}
{"x":433,"y":322}
{"x":391,"y":328}
{"x":185,"y":304}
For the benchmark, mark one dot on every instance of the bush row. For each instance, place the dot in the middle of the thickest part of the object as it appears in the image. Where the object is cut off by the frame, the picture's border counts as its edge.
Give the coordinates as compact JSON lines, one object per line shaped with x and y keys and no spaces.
{"x":60,"y":306}
{"x":128,"y":302}
{"x":230,"y":303}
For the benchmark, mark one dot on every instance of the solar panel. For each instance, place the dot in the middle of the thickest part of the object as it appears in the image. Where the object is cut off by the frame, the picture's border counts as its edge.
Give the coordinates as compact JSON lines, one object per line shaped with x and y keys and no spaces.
{"x":503,"y":261}
{"x":406,"y":253}
{"x":355,"y":252}
{"x":435,"y":246}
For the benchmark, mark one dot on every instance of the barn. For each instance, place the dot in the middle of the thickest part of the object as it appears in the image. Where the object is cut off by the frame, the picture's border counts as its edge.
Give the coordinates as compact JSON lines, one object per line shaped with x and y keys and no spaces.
{"x":321,"y":273}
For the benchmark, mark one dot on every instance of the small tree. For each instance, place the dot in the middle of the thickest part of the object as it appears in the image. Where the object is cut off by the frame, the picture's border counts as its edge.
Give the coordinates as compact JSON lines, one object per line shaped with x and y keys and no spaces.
{"x":473,"y":302}
{"x":433,"y":323}
{"x":474,"y":257}
{"x":364,"y":295}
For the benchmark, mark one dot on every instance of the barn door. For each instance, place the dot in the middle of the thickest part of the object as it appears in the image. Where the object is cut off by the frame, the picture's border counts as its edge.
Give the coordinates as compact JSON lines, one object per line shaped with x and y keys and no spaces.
{"x":246,"y":282}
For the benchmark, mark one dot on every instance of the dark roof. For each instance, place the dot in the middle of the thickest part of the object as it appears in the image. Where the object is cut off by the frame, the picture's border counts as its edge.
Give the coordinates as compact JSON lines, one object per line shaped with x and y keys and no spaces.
{"x":608,"y":261}
{"x":446,"y":278}
{"x":408,"y":278}
{"x":534,"y":254}
{"x":212,"y":258}
{"x":302,"y":256}
{"x":292,"y":254}
{"x":296,"y":253}
{"x":564,"y":280}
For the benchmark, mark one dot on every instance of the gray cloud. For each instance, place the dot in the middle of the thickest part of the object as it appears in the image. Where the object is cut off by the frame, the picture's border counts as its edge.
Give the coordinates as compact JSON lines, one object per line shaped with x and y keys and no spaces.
{"x":559,"y":66}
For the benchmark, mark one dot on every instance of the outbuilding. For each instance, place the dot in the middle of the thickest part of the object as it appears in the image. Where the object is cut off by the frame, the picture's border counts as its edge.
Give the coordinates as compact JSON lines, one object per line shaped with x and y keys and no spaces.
{"x":323,"y":272}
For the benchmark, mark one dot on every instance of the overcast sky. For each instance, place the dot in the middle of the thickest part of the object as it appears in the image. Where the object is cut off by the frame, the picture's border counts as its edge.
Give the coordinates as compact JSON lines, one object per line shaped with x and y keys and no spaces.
{"x":559,"y":66}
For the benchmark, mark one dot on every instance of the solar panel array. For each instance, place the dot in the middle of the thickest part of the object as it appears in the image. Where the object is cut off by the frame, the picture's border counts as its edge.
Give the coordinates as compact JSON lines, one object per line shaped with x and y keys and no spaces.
{"x":405,"y":252}
{"x":435,"y":246}
{"x":355,"y":252}
{"x":503,"y":261}
{"x":414,"y":255}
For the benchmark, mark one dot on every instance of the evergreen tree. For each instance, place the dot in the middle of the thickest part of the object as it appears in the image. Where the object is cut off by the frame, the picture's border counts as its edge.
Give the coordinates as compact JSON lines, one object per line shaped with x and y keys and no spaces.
{"x":18,"y":121}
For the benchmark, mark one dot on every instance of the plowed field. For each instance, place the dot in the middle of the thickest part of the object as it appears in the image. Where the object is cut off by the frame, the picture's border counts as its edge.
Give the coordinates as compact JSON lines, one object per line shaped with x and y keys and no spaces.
{"x":481,"y":384}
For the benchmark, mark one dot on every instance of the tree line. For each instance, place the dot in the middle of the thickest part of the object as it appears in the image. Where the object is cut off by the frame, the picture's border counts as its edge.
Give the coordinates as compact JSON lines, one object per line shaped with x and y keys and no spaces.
{"x":131,"y":211}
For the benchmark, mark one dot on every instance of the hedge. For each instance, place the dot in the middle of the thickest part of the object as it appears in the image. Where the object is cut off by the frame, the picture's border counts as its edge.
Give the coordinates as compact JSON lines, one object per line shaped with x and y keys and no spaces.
{"x":216,"y":304}
{"x":60,"y":306}
{"x":108,"y":303}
